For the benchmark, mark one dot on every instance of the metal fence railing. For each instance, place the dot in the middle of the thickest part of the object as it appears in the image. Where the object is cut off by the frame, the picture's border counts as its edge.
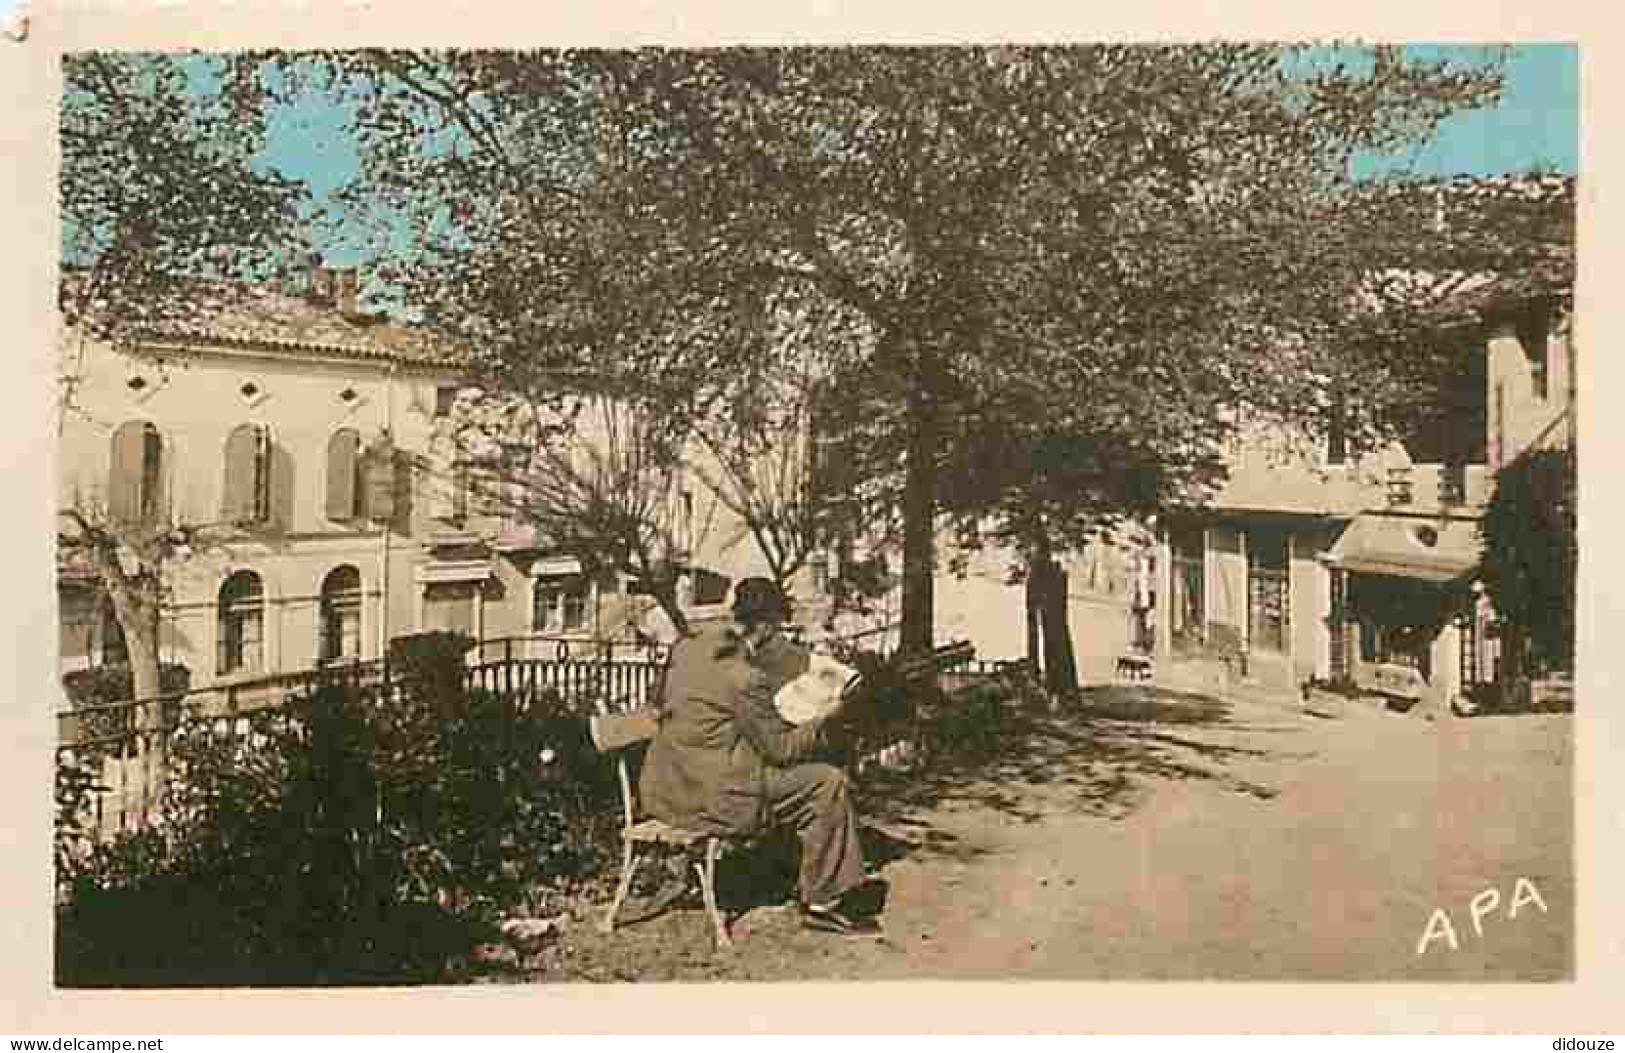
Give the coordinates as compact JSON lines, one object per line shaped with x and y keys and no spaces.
{"x":626,"y":683}
{"x":565,"y":649}
{"x":126,"y":747}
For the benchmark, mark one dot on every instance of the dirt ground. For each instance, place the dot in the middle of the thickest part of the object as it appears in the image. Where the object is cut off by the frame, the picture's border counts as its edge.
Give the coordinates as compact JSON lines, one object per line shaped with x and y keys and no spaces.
{"x":1147,"y":834}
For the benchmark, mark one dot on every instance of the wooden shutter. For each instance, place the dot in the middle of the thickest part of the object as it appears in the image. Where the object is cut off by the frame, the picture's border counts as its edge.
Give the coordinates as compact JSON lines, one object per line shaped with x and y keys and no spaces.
{"x":152,"y":478}
{"x":380,"y":481}
{"x":461,"y":483}
{"x":126,"y":473}
{"x":247,"y":474}
{"x":343,"y":449}
{"x":262,"y":474}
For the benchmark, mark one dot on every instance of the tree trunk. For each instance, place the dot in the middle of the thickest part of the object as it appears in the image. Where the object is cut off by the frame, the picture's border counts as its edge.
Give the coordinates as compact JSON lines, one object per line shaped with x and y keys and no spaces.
{"x":138,"y":616}
{"x":1514,"y":652}
{"x":138,"y":606}
{"x":918,"y":631}
{"x":1035,"y":635}
{"x":142,"y":643}
{"x":1049,"y":636}
{"x":1060,"y":662}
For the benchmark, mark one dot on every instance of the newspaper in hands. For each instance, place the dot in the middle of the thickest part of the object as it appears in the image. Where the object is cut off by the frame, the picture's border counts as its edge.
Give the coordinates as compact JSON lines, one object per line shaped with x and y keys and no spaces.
{"x":815,"y":693}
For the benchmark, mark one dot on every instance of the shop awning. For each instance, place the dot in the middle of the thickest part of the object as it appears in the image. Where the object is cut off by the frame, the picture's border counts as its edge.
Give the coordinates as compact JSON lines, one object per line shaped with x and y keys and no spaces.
{"x":553,"y":566}
{"x":453,"y":572}
{"x":1408,"y":547}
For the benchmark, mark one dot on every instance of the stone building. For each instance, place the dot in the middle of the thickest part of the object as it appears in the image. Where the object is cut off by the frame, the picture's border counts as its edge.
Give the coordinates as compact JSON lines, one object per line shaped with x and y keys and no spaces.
{"x":280,"y":422}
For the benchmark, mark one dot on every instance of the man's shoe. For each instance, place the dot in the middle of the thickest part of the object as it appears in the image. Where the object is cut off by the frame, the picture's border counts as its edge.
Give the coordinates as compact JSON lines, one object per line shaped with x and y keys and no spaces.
{"x":837,"y":922}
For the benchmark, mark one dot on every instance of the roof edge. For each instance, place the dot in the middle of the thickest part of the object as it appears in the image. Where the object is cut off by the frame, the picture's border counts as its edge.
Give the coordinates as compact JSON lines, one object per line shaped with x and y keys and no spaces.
{"x":205,"y":341}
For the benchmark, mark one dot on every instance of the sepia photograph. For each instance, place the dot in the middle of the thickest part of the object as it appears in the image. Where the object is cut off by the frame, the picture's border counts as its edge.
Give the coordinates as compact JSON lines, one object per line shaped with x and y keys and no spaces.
{"x":647,"y":514}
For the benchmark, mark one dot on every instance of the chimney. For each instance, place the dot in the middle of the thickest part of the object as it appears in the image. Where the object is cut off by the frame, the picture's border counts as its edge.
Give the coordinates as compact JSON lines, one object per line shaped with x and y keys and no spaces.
{"x":321,"y":284}
{"x":344,"y":291}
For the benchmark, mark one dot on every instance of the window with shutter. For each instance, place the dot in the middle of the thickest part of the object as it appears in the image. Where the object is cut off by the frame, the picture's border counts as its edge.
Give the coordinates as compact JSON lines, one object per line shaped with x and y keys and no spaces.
{"x":446,"y":490}
{"x":561,"y":601}
{"x":450,"y":607}
{"x":152,"y":452}
{"x":248,"y":475}
{"x":135,"y":473}
{"x":78,"y":622}
{"x":462,"y":483}
{"x":544,"y":605}
{"x":576,"y":593}
{"x":379,"y":495}
{"x":344,"y":475}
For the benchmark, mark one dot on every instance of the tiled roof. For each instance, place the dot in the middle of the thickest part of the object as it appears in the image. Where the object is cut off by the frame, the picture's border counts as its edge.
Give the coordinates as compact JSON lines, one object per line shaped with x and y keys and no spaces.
{"x":265,"y":319}
{"x":1530,"y":218}
{"x":1459,"y":296}
{"x":1534,"y":187}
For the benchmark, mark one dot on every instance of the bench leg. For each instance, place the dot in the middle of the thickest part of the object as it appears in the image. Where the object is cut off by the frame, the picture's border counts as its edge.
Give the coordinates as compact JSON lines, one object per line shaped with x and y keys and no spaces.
{"x":629,"y":866}
{"x":708,"y":888}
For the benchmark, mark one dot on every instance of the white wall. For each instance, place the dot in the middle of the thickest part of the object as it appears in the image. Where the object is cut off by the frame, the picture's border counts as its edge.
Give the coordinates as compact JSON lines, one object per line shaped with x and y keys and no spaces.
{"x":1311,"y":605}
{"x":1517,"y":414}
{"x":195,"y":400}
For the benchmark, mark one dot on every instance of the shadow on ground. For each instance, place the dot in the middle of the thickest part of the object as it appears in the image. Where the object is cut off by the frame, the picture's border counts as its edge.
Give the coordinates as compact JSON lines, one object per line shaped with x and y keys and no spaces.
{"x":1101,"y":753}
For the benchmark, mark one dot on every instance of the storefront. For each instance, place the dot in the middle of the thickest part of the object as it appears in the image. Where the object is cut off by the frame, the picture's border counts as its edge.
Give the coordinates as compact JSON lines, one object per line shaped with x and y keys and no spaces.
{"x":1406,"y":620}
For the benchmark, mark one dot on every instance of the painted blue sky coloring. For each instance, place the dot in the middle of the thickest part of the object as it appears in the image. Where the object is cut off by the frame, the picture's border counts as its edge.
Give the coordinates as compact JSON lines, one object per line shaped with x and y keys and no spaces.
{"x":1536,"y":124}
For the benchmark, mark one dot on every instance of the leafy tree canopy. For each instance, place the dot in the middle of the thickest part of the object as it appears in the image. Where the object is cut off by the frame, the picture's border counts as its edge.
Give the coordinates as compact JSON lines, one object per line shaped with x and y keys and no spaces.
{"x":1034,"y":248}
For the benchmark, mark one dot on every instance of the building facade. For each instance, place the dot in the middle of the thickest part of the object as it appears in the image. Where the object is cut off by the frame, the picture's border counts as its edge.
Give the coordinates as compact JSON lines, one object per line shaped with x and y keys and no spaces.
{"x":277,"y":426}
{"x":300,"y":436}
{"x":1314,"y":564}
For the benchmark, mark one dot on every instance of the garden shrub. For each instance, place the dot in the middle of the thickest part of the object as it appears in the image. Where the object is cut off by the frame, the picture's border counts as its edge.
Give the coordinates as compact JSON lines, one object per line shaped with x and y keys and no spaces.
{"x":886,"y":706}
{"x":253,"y":864}
{"x":116,"y":683}
{"x":433,"y":664}
{"x":107,"y":684}
{"x":970,"y":725}
{"x":494,"y":796}
{"x":1531,"y":551}
{"x":351,"y":835}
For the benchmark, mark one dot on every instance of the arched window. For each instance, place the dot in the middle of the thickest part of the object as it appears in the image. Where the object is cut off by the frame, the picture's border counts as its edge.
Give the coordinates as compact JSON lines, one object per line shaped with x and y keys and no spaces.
{"x":242,"y":623}
{"x":135,"y":473}
{"x":341,"y":615}
{"x":344,"y":482}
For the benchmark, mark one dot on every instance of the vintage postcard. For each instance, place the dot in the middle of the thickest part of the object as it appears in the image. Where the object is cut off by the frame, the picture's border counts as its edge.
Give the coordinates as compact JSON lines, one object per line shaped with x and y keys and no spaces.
{"x":570,"y":506}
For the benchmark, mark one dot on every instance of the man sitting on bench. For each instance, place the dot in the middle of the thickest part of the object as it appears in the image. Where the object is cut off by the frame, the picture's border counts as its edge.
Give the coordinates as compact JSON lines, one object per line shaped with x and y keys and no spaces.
{"x":724,"y":762}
